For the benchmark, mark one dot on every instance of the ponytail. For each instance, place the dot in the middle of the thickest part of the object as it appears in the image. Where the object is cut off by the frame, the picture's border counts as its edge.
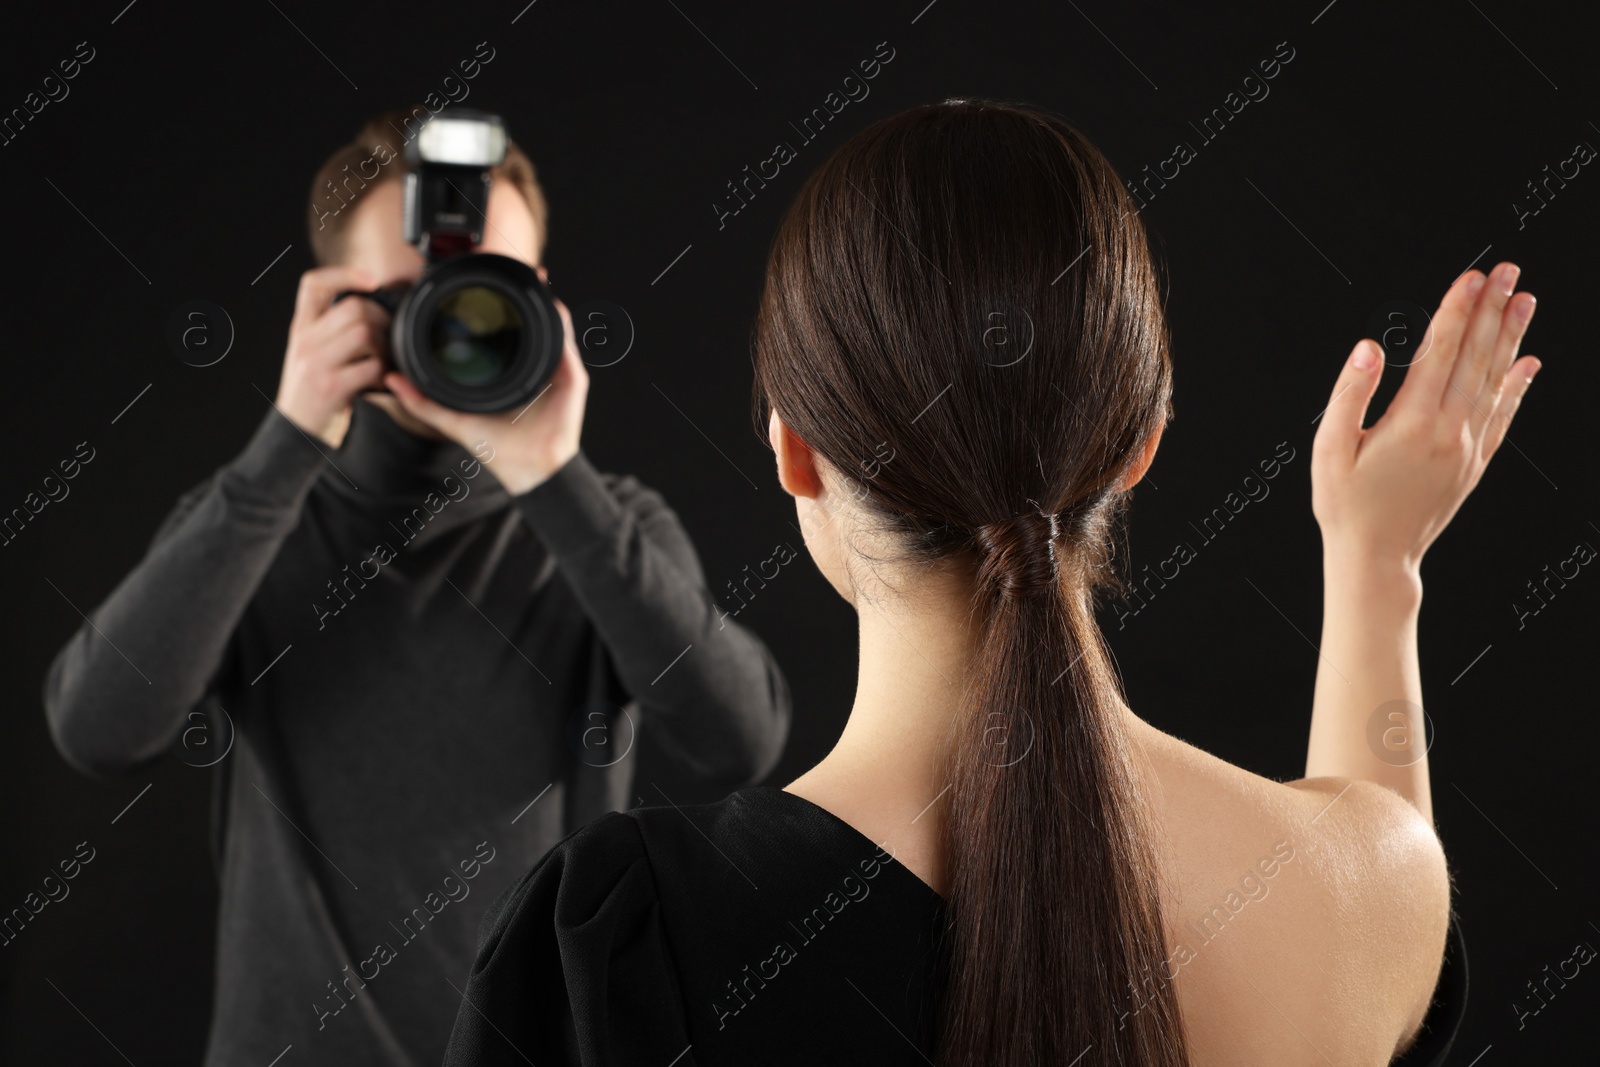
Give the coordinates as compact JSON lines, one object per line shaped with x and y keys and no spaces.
{"x":1055,"y":935}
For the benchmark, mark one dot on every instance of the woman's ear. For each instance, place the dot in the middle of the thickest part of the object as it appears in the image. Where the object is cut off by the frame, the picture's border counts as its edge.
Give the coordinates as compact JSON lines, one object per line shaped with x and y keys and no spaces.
{"x":1146,"y":457}
{"x":797,"y":469}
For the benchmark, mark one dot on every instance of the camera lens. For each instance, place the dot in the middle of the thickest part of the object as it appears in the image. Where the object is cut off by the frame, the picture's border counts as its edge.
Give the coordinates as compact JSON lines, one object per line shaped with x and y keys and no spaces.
{"x":476,"y":333}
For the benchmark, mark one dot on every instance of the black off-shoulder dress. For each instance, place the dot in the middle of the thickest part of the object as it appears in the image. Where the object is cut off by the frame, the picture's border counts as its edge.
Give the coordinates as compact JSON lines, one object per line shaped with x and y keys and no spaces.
{"x":761,"y":929}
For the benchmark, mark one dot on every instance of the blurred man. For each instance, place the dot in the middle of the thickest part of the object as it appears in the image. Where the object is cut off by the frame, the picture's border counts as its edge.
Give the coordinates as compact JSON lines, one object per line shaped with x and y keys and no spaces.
{"x":432,"y":635}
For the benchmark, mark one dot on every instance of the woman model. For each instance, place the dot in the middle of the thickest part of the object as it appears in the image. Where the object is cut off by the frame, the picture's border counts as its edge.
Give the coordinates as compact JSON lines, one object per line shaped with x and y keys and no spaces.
{"x":999,"y":862}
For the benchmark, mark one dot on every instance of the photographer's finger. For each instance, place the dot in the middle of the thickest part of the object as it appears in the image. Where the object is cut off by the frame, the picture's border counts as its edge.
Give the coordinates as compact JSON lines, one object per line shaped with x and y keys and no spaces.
{"x":313,"y":335}
{"x":429,"y":411}
{"x":569,"y":332}
{"x":378,"y":321}
{"x":1429,"y":376}
{"x":570,"y":368}
{"x":364,"y":373}
{"x":1340,"y":431}
{"x":318,"y":288}
{"x":1462,"y":397}
{"x":325,"y":339}
{"x":355,"y":340}
{"x":1517,"y":381}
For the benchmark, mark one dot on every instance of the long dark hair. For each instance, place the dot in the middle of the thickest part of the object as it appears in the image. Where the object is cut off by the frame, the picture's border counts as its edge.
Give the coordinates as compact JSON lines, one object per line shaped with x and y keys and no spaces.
{"x":961,"y":314}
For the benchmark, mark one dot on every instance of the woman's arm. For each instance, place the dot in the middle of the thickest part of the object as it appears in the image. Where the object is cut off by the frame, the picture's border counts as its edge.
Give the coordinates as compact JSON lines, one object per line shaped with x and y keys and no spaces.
{"x":1381,"y":496}
{"x":1364,"y":717}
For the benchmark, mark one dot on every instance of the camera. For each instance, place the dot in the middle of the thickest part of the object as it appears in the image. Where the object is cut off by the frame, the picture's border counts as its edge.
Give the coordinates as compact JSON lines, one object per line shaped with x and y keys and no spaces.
{"x":477,"y":332}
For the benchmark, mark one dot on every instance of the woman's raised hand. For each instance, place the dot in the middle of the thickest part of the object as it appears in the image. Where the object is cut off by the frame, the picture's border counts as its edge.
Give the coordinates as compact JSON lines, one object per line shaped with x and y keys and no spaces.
{"x":1382,"y":494}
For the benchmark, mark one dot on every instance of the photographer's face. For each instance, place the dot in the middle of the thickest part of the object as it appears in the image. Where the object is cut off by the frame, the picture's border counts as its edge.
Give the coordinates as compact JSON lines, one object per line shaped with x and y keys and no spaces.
{"x":375,"y":240}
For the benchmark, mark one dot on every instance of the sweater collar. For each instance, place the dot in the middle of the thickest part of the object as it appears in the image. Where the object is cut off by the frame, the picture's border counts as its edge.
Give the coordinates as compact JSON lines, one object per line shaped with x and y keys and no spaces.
{"x":381,"y":464}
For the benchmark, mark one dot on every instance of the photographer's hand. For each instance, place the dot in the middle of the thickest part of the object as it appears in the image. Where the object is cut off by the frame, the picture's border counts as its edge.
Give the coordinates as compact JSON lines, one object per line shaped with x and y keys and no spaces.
{"x":524,"y":446}
{"x":1381,"y":496}
{"x":334,"y":351}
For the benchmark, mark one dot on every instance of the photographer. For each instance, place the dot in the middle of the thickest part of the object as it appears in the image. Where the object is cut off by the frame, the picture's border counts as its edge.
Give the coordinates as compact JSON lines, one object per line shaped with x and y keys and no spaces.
{"x":423,"y":639}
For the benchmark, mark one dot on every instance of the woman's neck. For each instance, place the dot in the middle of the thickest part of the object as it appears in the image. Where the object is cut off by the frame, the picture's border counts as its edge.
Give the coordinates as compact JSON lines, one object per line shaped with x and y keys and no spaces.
{"x":885,"y":775}
{"x":913,"y":659}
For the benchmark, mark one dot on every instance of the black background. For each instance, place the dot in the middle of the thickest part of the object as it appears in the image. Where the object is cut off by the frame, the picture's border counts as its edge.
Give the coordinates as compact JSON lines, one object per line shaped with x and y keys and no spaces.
{"x":1384,"y":162}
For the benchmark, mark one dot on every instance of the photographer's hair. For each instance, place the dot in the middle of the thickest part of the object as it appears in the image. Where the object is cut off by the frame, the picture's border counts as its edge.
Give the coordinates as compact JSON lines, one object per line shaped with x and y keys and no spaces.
{"x":377,"y":154}
{"x":902,"y":263}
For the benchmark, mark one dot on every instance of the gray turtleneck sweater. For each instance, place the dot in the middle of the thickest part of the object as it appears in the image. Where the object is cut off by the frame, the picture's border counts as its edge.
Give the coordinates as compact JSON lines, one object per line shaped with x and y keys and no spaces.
{"x":410,"y":684}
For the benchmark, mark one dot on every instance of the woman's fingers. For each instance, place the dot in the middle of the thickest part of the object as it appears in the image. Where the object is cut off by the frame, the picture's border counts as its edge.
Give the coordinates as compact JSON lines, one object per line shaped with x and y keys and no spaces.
{"x":1463,"y":397}
{"x":1429,"y":375}
{"x":1340,"y":432}
{"x":1515,"y":384}
{"x":1513,"y":325}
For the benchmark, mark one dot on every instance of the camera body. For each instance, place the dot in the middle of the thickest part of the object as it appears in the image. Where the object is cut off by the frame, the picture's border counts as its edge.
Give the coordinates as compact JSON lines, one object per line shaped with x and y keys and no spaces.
{"x":477,"y":331}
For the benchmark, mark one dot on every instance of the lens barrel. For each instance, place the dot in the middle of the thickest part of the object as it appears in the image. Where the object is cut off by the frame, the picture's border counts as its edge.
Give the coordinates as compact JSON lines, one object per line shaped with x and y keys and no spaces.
{"x":478,"y":332}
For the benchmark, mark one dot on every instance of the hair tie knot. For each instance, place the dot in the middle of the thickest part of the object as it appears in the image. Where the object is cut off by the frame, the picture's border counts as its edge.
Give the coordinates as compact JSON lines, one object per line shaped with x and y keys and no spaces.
{"x":1019,"y":553}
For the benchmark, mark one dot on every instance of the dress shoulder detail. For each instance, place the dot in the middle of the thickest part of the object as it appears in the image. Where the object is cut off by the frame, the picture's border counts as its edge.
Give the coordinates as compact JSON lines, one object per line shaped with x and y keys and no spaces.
{"x":573,"y":963}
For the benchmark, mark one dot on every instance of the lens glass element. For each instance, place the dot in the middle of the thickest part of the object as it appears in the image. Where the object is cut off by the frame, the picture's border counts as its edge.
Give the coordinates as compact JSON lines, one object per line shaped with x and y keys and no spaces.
{"x":475,"y":335}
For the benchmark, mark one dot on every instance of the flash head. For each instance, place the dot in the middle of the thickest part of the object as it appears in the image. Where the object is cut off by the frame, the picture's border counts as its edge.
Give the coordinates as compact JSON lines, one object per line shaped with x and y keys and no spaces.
{"x":447,"y":180}
{"x":460,"y":138}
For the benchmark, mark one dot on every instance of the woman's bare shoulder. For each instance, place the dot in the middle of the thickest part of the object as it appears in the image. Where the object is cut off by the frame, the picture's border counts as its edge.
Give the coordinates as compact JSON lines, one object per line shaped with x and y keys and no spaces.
{"x":1318,"y":907}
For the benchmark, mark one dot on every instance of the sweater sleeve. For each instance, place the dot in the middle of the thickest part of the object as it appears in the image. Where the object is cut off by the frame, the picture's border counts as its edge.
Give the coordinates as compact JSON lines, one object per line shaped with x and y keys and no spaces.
{"x":711,"y":686}
{"x":117,"y":693}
